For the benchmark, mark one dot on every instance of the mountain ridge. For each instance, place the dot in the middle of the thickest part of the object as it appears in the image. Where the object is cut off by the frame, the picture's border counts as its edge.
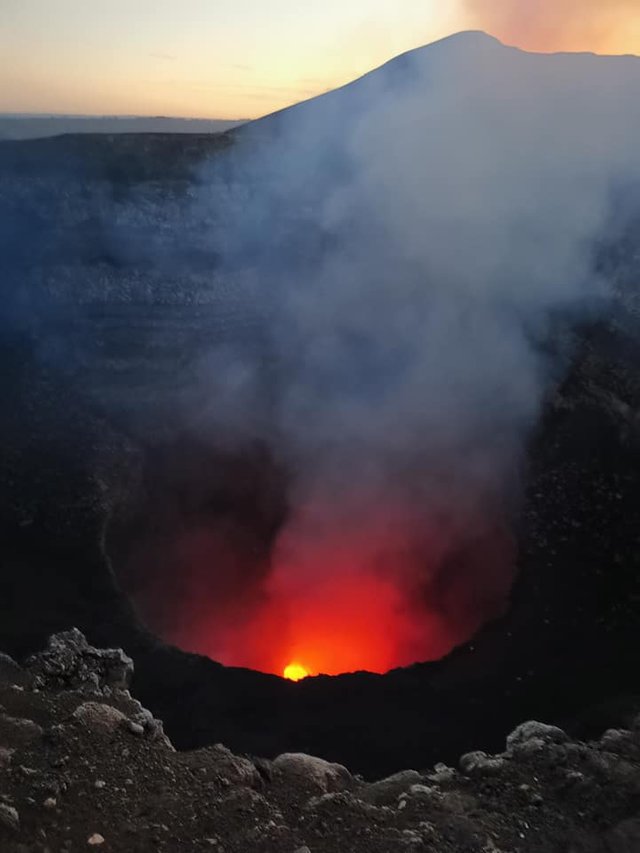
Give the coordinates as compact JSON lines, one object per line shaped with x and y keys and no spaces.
{"x":453,"y":53}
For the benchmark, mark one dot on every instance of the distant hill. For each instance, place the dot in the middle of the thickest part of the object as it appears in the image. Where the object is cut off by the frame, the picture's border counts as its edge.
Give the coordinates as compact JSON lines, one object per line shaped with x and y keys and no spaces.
{"x":34,"y":127}
{"x":417,"y":72}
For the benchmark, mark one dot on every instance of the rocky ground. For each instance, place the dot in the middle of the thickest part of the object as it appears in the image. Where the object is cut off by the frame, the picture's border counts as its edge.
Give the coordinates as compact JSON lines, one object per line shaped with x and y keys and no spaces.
{"x":83,"y":765}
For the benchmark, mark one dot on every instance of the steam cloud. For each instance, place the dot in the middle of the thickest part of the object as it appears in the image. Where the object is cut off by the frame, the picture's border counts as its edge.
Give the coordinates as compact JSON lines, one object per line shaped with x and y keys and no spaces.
{"x":408,"y":243}
{"x":394,"y":260}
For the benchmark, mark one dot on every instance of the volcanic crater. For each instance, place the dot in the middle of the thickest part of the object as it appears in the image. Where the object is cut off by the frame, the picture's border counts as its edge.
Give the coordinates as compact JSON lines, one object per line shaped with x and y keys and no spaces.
{"x":152,"y":521}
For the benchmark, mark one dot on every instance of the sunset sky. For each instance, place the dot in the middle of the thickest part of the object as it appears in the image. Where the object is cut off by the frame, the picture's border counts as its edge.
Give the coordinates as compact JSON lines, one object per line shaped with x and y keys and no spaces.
{"x":245,"y":58}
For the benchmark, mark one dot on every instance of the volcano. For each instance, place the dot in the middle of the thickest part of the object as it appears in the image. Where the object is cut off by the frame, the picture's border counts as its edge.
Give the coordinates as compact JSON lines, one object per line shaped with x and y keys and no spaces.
{"x":331,"y":418}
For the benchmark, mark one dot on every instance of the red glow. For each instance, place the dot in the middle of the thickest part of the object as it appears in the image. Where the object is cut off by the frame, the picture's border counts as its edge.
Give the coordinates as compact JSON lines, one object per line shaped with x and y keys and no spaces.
{"x":345,"y":624}
{"x":375,"y":599}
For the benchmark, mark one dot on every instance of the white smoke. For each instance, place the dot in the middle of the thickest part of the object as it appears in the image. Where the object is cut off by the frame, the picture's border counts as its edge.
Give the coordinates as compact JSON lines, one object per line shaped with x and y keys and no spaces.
{"x":410,"y":241}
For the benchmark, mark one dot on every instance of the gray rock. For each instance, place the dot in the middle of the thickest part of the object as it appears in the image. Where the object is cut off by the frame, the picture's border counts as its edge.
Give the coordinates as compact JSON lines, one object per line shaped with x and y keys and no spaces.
{"x":237,"y":770}
{"x":534,"y":731}
{"x":9,"y":818}
{"x":481,"y":763}
{"x":411,"y":840}
{"x":100,"y":718}
{"x":12,"y":673}
{"x":5,"y":757}
{"x":422,"y":791}
{"x":70,"y":663}
{"x":458,"y":802}
{"x":15,"y":731}
{"x":27,"y":772}
{"x":152,"y":728}
{"x":312,"y":773}
{"x":621,"y":742}
{"x":386,"y":791}
{"x":442,"y":774}
{"x":611,"y":766}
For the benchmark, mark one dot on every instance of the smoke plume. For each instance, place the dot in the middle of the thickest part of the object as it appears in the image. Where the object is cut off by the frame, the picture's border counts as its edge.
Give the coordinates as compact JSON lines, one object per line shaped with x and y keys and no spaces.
{"x":409,"y":242}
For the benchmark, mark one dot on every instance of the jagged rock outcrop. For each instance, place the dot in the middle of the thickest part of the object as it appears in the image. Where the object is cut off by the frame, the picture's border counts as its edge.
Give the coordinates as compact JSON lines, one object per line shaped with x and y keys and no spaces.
{"x":90,"y":775}
{"x":69,"y":663}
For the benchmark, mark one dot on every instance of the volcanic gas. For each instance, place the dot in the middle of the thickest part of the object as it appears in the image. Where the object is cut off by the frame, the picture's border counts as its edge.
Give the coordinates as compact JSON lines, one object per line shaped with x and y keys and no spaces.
{"x":393,"y":265}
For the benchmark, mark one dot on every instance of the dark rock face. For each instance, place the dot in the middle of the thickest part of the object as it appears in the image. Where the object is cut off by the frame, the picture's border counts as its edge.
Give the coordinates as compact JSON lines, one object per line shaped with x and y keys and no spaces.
{"x":90,"y":773}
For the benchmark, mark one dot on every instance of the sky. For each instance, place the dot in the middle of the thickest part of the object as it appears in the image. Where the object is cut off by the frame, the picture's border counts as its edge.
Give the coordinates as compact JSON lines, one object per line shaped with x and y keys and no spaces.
{"x":238,"y":59}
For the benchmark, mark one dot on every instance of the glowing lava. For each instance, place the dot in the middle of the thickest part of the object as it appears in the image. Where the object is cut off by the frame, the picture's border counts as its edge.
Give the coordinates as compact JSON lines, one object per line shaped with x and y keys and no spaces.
{"x":295,"y":672}
{"x":352,"y":600}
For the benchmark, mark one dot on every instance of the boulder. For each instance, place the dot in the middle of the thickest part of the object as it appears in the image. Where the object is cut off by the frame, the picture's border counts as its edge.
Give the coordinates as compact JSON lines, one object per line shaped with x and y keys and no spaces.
{"x":70,"y":663}
{"x":100,"y":718}
{"x":534,"y":731}
{"x":386,"y":791}
{"x":481,"y":763}
{"x":312,"y":773}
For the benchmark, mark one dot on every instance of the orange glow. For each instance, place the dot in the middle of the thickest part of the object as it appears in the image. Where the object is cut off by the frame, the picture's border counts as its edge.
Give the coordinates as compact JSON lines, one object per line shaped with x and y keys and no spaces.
{"x":349,"y":600}
{"x":572,"y":25}
{"x":328,"y":608}
{"x":345,"y":624}
{"x":295,"y":672}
